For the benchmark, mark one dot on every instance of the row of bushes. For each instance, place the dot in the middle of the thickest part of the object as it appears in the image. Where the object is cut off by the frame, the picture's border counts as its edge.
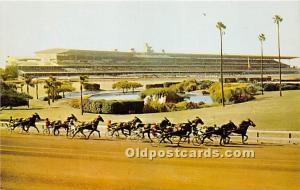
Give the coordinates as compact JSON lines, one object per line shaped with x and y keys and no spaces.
{"x":233,"y":92}
{"x":160,"y":85}
{"x":110,"y":106}
{"x":286,"y":86}
{"x":186,"y":85}
{"x":155,"y":106}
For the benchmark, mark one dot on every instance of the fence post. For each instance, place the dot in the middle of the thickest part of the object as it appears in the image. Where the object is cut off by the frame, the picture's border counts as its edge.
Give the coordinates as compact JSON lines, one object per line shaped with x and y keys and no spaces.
{"x":290,"y":136}
{"x":257,"y":136}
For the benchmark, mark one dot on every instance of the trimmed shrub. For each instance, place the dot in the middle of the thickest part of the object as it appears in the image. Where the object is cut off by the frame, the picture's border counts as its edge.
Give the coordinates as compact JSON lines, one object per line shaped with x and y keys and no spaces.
{"x":204,"y":84}
{"x":9,"y":97}
{"x":56,"y":97}
{"x":168,"y":84}
{"x":91,"y":86}
{"x":290,"y":86}
{"x":271,"y":87}
{"x":149,"y":86}
{"x":111,"y":106}
{"x":233,"y":92}
{"x":286,"y":86}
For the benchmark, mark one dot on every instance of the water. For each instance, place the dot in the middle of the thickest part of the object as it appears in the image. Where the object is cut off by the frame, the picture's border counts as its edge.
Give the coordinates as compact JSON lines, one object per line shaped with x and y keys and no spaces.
{"x":197,"y":97}
{"x":116,"y":96}
{"x":192,"y":97}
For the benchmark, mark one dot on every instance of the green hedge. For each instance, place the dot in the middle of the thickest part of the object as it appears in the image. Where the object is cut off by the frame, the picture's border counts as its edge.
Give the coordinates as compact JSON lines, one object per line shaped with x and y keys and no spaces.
{"x":112,"y":106}
{"x":91,"y":86}
{"x":148,"y":86}
{"x":286,"y":86}
{"x":168,"y":84}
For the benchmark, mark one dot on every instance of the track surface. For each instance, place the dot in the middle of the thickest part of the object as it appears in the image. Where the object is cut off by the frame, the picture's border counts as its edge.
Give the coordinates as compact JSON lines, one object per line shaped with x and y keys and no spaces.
{"x":48,"y":162}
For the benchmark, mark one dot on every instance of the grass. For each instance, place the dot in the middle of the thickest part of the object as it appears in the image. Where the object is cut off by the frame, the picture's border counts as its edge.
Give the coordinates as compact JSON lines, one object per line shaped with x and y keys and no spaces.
{"x":268,"y":112}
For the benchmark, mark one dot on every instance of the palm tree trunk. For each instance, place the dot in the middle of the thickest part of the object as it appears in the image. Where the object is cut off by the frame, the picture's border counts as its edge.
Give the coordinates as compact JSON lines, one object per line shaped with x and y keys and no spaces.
{"x":221,"y":69}
{"x":37,"y":90}
{"x":262,"y":68}
{"x":53,"y":94}
{"x":280,"y":93}
{"x":81,"y":103}
{"x":49,"y":96}
{"x":27,"y":86}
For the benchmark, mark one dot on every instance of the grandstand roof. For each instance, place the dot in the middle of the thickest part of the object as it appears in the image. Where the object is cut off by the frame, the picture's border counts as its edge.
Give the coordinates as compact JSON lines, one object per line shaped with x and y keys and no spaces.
{"x":162,"y":55}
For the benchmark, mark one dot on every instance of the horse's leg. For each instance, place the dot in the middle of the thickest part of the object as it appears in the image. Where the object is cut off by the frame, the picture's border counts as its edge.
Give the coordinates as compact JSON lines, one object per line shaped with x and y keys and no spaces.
{"x":36,"y":128}
{"x":244,"y":138}
{"x":149,"y":136}
{"x":90,"y":133}
{"x":169,"y":139}
{"x":76,"y":133}
{"x":98,"y":132}
{"x":179,"y":141}
{"x":162,"y":139}
{"x":81,"y":131}
{"x":67,"y":129}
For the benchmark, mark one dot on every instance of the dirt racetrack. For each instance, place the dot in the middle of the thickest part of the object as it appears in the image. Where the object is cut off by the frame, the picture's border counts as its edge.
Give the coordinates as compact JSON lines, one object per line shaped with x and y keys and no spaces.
{"x":48,"y":162}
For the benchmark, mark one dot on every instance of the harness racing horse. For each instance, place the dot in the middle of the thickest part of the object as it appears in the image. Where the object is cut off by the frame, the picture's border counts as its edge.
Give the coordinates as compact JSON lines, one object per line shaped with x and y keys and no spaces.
{"x":91,"y":126}
{"x":224,"y":131}
{"x":30,"y":122}
{"x":122,"y":126}
{"x":67,"y":125}
{"x":153,"y":128}
{"x":184,"y":131}
{"x":242,"y":129}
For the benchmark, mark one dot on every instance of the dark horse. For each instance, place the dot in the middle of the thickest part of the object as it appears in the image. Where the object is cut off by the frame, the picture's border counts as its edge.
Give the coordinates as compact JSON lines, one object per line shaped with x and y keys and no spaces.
{"x":224,"y":131}
{"x":65,"y":125}
{"x":154,"y":128}
{"x":122,"y":126}
{"x":184,"y":131}
{"x":30,"y":122}
{"x":91,"y":126}
{"x":242,"y":129}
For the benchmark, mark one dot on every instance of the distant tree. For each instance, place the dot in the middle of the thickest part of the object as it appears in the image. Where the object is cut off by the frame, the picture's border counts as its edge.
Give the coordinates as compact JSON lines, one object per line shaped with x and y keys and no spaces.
{"x":221,"y":27}
{"x":124,"y":85}
{"x":277,"y":20}
{"x":52,"y":86}
{"x":10,"y":72}
{"x":134,"y":85}
{"x":36,"y":84}
{"x":65,"y":86}
{"x":262,"y":38}
{"x":28,"y":81}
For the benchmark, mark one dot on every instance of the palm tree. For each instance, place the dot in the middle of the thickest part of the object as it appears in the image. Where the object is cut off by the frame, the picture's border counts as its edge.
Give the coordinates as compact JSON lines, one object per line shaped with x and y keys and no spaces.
{"x":52,"y":86}
{"x":262,"y":38}
{"x":221,"y":27}
{"x":36,"y":83}
{"x":28,"y":82}
{"x":82,"y":80}
{"x":277,"y":20}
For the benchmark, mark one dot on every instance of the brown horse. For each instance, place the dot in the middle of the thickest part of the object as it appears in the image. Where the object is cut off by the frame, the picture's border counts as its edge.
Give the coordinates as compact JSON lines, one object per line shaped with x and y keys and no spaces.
{"x":90,"y":126}
{"x":242,"y":129}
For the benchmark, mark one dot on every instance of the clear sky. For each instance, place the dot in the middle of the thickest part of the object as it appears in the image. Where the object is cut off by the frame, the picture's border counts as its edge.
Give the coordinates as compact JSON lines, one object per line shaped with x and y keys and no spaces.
{"x":26,"y":27}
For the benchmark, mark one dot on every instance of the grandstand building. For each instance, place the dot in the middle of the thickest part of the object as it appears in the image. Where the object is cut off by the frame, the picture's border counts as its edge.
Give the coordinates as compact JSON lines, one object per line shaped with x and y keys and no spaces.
{"x":70,"y":62}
